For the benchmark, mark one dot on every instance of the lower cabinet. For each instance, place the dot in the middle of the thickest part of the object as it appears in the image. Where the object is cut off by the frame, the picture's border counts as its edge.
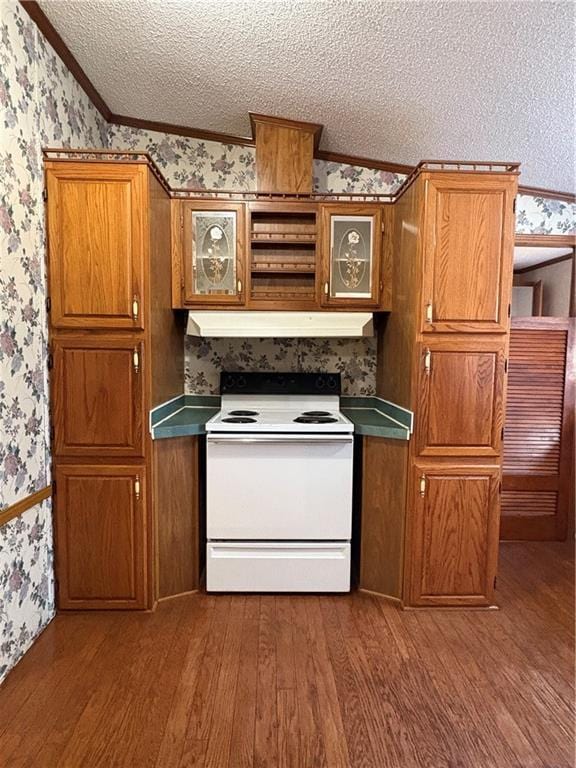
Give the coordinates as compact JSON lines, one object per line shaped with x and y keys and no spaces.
{"x":101,"y":535}
{"x":452,"y":544}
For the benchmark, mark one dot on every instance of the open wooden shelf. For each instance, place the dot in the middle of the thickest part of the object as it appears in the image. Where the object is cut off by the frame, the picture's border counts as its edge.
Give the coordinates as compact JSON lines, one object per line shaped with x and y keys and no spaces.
{"x":276,"y":224}
{"x":284,"y":286}
{"x":283,"y":256}
{"x":283,"y":237}
{"x":283,"y":269}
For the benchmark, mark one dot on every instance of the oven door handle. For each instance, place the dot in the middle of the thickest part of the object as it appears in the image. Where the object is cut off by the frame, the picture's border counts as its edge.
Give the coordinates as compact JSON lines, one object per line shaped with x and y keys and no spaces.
{"x":281,"y":441}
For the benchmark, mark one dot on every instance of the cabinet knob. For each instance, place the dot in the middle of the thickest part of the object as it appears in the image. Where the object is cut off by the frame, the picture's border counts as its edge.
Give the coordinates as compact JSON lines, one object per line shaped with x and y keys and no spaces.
{"x":136,"y":361}
{"x":137,"y":487}
{"x":135,"y":307}
{"x":326,"y":288}
{"x":239,"y":286}
{"x":422,"y":485}
{"x":429,"y":315}
{"x":427,"y":361}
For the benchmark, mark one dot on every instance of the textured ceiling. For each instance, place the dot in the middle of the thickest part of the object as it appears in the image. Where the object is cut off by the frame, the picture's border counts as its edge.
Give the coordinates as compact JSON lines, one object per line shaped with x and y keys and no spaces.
{"x":527,"y":256}
{"x":397,"y":81}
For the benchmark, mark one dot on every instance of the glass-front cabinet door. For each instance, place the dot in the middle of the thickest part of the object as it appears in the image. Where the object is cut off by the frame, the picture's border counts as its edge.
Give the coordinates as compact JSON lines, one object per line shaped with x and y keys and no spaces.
{"x":351,"y":246}
{"x":213,"y":250}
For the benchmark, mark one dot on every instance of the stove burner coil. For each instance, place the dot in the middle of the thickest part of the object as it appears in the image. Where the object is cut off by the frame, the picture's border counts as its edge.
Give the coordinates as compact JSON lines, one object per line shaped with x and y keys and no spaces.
{"x":239,"y":420}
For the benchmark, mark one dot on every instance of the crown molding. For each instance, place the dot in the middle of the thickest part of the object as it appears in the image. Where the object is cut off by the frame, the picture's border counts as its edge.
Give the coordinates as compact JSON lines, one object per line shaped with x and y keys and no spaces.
{"x":542,"y":264}
{"x":554,"y":194}
{"x":50,"y":33}
{"x":182,"y":130}
{"x":364,"y":162}
{"x":545,"y":241}
{"x":45,"y":26}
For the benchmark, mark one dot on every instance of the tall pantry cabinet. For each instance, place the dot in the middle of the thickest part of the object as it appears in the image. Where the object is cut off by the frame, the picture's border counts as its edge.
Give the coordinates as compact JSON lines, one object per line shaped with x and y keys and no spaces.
{"x":115,"y":352}
{"x":442,"y":354}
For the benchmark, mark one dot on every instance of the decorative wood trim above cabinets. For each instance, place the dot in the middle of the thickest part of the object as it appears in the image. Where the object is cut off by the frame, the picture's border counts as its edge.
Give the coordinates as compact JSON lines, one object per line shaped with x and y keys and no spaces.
{"x":546,"y":241}
{"x":15,"y":510}
{"x":45,"y":26}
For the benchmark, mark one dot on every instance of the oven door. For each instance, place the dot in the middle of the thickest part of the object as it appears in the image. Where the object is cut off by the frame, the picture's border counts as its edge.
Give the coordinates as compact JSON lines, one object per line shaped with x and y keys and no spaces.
{"x":279,"y":487}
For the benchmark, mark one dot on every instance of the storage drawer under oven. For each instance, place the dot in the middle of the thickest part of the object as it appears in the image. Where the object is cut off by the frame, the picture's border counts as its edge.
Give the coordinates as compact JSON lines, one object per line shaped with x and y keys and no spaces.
{"x":278,"y":566}
{"x":291,"y":487}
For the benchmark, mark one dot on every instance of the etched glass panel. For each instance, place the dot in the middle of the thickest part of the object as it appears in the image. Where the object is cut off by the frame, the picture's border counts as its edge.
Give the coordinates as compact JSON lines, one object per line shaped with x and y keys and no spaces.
{"x":351,"y":257}
{"x":214,"y":252}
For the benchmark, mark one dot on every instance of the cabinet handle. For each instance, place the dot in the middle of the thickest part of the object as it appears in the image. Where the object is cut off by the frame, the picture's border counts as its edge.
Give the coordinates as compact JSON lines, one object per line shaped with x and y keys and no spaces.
{"x":429,"y":312}
{"x":136,"y":361}
{"x":381,"y":286}
{"x":427,"y":361}
{"x":239,"y":286}
{"x":326,"y":288}
{"x":135,"y":307}
{"x":137,"y":487}
{"x":422,"y":485}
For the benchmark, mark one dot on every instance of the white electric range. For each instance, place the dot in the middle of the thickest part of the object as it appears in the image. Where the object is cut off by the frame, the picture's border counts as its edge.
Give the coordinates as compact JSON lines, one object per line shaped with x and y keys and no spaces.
{"x":279,"y":485}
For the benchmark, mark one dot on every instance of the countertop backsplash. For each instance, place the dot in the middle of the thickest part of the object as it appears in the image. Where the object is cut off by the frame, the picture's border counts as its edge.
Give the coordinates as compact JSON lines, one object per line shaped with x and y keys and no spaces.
{"x":355,"y":359}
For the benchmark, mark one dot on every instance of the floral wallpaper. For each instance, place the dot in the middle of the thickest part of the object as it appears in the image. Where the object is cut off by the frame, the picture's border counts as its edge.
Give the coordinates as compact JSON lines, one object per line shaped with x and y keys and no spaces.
{"x":336,"y":177}
{"x":544,"y":216}
{"x":194,"y":164}
{"x":191,"y":163}
{"x":355,"y":359}
{"x":26,"y":584}
{"x":40,"y":105}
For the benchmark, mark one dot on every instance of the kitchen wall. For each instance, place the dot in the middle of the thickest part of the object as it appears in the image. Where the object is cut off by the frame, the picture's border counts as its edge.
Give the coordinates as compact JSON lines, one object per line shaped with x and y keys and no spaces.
{"x":544,"y":216}
{"x":556,"y":283}
{"x":191,"y":163}
{"x":40,"y":105}
{"x":354,"y":359}
{"x":196,"y":164}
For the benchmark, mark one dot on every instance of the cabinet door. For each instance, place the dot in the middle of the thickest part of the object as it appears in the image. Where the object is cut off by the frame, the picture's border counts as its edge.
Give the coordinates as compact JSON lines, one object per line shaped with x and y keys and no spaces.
{"x":96,"y":244}
{"x":461,"y":388}
{"x":101,"y":536}
{"x":468,"y":252}
{"x":351,"y":250}
{"x":213,"y":252}
{"x":453,"y":539}
{"x":98,"y":397}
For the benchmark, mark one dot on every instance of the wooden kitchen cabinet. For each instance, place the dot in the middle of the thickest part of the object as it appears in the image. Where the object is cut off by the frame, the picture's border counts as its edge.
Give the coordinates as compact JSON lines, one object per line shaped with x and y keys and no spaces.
{"x":453,"y":520}
{"x":442,"y":354}
{"x":97,"y":244}
{"x":101,"y":535}
{"x":97,"y":400}
{"x":351,"y":248}
{"x":116,"y":348}
{"x":460,"y":396}
{"x":467,"y":245}
{"x":213,"y":248}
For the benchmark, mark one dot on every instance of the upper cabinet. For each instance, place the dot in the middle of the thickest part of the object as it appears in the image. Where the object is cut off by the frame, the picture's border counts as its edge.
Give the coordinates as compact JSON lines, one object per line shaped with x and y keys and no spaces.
{"x":97,"y":244}
{"x":213,"y":252}
{"x":351,"y":246}
{"x":468,"y":239}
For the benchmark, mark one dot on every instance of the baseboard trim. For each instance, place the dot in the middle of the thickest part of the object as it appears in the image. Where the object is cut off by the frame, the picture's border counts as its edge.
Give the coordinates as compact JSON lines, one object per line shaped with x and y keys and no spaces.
{"x":15,"y":510}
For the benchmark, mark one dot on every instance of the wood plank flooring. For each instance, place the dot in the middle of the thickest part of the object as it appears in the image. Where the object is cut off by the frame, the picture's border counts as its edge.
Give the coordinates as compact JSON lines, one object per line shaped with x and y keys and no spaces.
{"x":273,"y":681}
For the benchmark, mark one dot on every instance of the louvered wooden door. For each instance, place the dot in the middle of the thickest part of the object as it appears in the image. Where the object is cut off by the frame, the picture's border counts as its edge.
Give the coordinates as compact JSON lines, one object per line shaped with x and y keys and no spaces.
{"x":538,"y":462}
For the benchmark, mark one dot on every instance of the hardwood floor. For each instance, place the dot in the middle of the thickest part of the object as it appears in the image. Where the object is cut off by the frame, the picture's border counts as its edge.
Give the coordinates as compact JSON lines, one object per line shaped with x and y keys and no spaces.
{"x":307,"y":681}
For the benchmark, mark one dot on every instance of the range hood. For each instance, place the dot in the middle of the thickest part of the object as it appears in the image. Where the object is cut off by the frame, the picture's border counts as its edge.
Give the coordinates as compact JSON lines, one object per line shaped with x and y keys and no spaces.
{"x":230,"y":323}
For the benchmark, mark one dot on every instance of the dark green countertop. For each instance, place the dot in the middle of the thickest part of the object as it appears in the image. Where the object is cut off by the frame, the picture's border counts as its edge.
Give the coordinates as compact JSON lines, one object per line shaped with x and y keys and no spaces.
{"x":371,"y":416}
{"x":191,"y":420}
{"x":373,"y":423}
